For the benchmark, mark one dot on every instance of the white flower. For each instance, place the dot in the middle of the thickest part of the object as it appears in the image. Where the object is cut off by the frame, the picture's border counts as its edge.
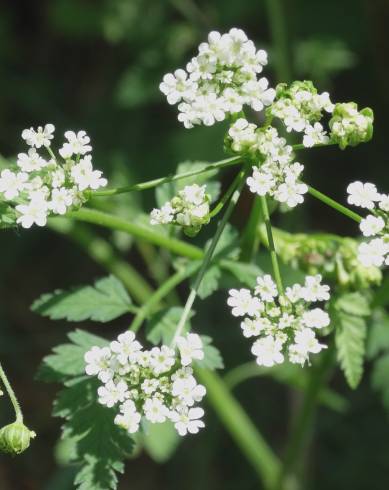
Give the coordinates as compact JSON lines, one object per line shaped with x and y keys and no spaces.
{"x":78,"y":144}
{"x":39,"y":137}
{"x":162,"y":359}
{"x":384,"y":202}
{"x":266,"y":288}
{"x":85,"y":177}
{"x":193,"y":194}
{"x":162,"y":216}
{"x":112,"y":393}
{"x":314,"y":135}
{"x":313,"y":290}
{"x":190,"y":347}
{"x":291,"y":192}
{"x":129,"y":418}
{"x":149,"y":386}
{"x":373,"y":253}
{"x":98,"y":363}
{"x":11,"y":184}
{"x":268,"y":351}
{"x":187,"y":420}
{"x":61,"y":199}
{"x":243,"y":303}
{"x":371,"y":225}
{"x":155,"y":410}
{"x":126,"y":347}
{"x":177,"y":87}
{"x":33,"y":212}
{"x":58,"y":177}
{"x":31,"y":161}
{"x":315,"y":318}
{"x":253,"y":327}
{"x":305,"y":343}
{"x":294,"y":293}
{"x":362,"y":195}
{"x":188,"y":391}
{"x":260,"y":182}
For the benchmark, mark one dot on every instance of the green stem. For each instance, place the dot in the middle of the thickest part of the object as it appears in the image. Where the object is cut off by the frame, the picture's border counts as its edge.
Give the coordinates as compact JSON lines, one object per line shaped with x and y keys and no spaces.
{"x":241,"y":428}
{"x":228,"y":162}
{"x":250,"y":239}
{"x":209,"y":253}
{"x":219,"y":206}
{"x":277,"y":21}
{"x":272,"y":249}
{"x":303,"y":420}
{"x":334,"y":204}
{"x":115,"y":223}
{"x":12,"y":396}
{"x":160,"y":293}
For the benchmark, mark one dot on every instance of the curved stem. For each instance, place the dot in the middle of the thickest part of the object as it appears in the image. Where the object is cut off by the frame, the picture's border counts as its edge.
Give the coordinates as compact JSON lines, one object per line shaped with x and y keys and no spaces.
{"x":272,"y":249}
{"x":209,"y":253}
{"x":115,"y":223}
{"x":170,"y":178}
{"x":160,"y":293}
{"x":11,"y":394}
{"x":334,"y":204}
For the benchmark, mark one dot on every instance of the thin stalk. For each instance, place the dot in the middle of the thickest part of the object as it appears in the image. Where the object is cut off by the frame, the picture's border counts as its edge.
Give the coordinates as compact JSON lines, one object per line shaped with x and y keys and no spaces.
{"x":303,"y":420}
{"x":115,"y":223}
{"x":334,"y":204}
{"x":228,"y":162}
{"x":241,"y":428}
{"x":11,"y":394}
{"x":156,"y":298}
{"x":219,"y":206}
{"x":209,"y":253}
{"x":250,"y":239}
{"x":272,"y":249}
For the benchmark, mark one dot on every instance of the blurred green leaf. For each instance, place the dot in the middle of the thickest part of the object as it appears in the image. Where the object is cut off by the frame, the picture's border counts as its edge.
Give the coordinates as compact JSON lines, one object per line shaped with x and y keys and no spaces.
{"x":162,"y":325}
{"x":212,"y":357}
{"x":160,"y":440}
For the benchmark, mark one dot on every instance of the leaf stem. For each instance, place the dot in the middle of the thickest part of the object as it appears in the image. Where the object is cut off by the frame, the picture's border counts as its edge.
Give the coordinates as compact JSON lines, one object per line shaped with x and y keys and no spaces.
{"x":334,"y":204}
{"x":12,"y":396}
{"x":272,"y":249}
{"x":209,"y":253}
{"x":250,"y":239}
{"x":219,"y":206}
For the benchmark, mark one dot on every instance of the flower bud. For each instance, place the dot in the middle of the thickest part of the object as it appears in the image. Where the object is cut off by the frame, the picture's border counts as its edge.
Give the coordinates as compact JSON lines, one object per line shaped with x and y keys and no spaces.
{"x":15,"y":438}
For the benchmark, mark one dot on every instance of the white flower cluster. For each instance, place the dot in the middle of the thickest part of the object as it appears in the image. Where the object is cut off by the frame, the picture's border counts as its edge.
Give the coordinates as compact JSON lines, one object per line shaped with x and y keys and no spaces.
{"x":300,"y":108}
{"x":39,"y":186}
{"x":277,"y":175}
{"x":220,"y":80}
{"x":190,"y":209}
{"x":349,"y":126}
{"x":155,"y":384}
{"x":365,"y":195}
{"x":285,"y":325}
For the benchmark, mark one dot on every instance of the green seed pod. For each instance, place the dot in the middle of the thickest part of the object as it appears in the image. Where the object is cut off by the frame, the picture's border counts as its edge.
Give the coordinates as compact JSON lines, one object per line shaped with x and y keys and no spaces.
{"x":15,"y":438}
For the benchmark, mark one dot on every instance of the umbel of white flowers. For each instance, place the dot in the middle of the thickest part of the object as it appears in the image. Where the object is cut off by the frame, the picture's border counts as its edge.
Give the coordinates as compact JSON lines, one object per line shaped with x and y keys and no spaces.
{"x":38,"y":187}
{"x":284,"y":326}
{"x":156,"y":384}
{"x":189,"y":209}
{"x":374,"y":252}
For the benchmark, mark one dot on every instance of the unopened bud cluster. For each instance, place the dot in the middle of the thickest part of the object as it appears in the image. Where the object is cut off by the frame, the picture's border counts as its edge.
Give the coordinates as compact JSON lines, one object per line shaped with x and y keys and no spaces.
{"x":189,"y":209}
{"x":374,"y":252}
{"x":349,"y":127}
{"x":285,"y":326}
{"x":155,"y":385}
{"x":39,"y":186}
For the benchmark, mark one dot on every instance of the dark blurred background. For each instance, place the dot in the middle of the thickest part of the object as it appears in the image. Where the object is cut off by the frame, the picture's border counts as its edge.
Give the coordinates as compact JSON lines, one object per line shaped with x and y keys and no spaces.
{"x":96,"y":65}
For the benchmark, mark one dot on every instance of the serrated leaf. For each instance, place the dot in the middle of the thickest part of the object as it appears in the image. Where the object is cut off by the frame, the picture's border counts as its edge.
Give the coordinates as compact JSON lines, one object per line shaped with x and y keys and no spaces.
{"x":380,"y":378}
{"x":246,"y":273}
{"x":160,"y":440}
{"x":212,"y":357}
{"x":350,"y":335}
{"x":97,"y":444}
{"x":378,"y":333}
{"x":209,"y":282}
{"x":354,"y":304}
{"x":162,"y":325}
{"x":103,"y":302}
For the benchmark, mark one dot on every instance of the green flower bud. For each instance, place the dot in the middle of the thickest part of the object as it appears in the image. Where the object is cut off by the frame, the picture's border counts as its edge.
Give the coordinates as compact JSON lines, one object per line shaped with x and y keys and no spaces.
{"x":349,"y":127}
{"x":15,"y":438}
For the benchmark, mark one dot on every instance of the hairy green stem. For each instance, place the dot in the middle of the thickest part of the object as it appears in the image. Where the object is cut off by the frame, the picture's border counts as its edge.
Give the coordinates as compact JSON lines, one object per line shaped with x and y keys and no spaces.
{"x":161,"y":292}
{"x":12,"y":396}
{"x":209,"y":253}
{"x":334,"y":204}
{"x":272,"y":249}
{"x":115,"y":223}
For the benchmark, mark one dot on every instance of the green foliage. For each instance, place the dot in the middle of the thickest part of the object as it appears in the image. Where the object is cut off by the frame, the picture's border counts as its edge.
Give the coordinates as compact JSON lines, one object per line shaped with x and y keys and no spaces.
{"x":160,"y":440}
{"x":97,"y":444}
{"x":103,"y":302}
{"x":350,"y":334}
{"x":163,"y":324}
{"x":212,"y":357}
